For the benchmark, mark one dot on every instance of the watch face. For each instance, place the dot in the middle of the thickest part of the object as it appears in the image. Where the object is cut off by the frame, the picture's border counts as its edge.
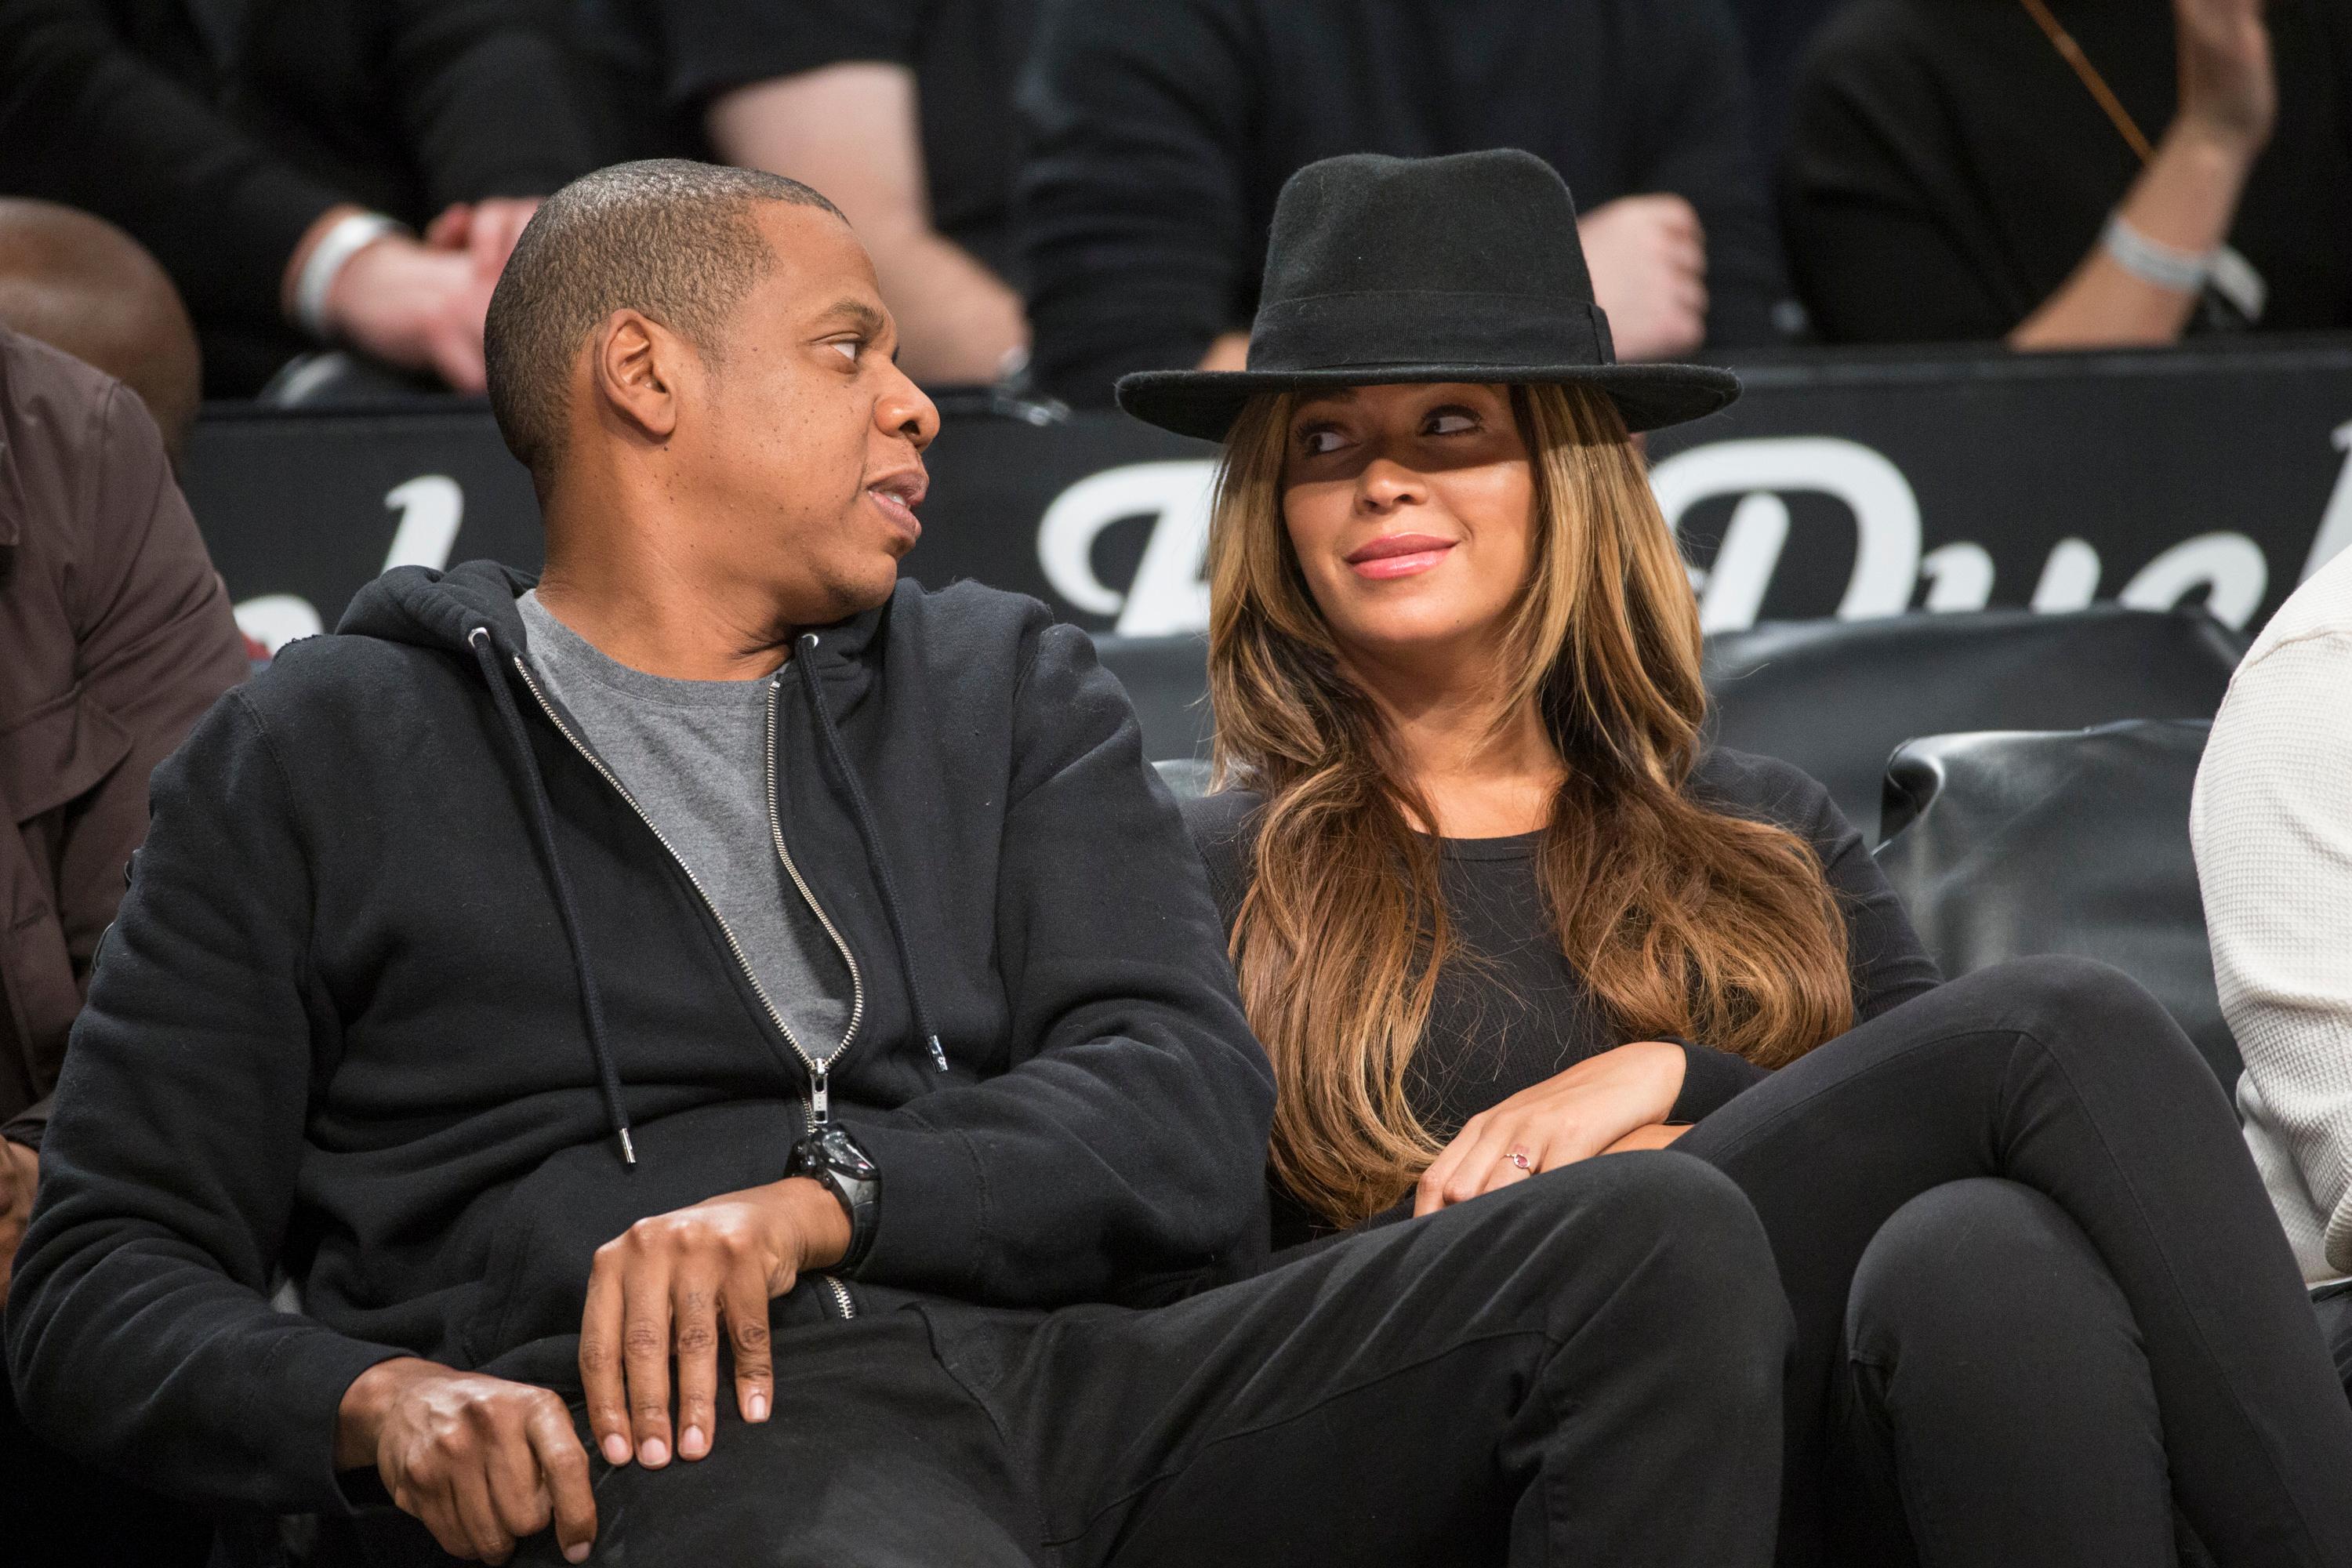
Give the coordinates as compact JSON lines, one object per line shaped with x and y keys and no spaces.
{"x":837,"y":1151}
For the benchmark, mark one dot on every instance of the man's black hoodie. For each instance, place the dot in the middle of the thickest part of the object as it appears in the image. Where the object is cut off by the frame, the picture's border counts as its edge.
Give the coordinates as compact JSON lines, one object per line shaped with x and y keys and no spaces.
{"x":399,"y":968}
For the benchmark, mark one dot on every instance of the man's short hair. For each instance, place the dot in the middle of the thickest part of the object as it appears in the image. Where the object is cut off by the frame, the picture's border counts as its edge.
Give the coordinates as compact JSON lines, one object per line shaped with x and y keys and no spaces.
{"x":670,"y":237}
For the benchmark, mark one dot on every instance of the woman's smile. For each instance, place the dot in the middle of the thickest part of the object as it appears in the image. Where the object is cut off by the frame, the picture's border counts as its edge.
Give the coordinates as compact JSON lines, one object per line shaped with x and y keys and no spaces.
{"x":1399,"y":555}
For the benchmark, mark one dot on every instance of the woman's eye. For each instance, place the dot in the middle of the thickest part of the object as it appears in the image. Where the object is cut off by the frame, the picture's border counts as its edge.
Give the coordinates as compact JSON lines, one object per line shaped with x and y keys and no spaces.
{"x":1316,"y":443}
{"x":1452,"y":422}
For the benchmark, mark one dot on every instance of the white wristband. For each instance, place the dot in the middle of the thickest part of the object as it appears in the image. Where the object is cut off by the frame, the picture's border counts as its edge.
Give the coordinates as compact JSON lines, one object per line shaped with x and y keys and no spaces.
{"x":2151,"y":261}
{"x":344,"y":238}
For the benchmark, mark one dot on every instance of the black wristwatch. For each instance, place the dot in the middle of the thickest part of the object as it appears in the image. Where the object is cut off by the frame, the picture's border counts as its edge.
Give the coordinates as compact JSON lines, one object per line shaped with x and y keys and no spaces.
{"x":828,"y":1154}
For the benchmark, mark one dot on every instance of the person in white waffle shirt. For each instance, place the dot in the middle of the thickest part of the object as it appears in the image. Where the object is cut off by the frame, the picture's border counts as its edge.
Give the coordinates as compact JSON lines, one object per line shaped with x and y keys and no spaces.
{"x":2272,"y":824}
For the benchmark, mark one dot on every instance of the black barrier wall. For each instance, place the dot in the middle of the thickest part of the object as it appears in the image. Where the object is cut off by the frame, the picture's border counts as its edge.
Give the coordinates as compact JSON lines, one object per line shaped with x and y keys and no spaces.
{"x":1846,"y":488}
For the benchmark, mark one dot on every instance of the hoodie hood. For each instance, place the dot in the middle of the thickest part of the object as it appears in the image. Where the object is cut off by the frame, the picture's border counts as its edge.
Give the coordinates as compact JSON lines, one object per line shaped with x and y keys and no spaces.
{"x":424,"y":608}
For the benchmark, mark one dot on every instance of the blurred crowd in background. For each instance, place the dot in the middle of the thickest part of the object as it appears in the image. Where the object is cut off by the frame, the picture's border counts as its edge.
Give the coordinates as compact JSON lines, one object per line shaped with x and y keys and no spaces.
{"x":1056,"y":191}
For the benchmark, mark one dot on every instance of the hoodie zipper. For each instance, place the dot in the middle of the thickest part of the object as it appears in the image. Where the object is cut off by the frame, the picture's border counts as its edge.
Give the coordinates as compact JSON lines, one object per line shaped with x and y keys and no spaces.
{"x":818,"y":1069}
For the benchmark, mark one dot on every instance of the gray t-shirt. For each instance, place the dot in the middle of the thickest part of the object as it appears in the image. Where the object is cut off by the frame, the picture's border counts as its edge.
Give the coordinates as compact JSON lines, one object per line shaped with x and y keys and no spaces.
{"x":693,"y":754}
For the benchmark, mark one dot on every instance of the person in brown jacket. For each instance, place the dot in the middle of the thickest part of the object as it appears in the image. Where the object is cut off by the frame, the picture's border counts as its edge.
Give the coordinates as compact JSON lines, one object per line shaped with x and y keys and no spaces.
{"x":115,"y":637}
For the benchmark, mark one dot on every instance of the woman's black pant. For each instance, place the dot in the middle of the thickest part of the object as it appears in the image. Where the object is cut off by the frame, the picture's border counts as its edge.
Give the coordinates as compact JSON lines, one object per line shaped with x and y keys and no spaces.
{"x":2039,"y":1291}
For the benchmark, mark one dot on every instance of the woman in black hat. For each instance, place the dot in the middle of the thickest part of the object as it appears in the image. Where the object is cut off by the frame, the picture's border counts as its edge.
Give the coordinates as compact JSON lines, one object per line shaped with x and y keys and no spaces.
{"x":1496,"y":908}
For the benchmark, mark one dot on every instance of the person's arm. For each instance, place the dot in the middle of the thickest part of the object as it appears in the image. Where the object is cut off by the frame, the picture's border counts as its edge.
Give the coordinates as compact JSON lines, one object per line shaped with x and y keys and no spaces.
{"x":85,"y":121}
{"x":1876,"y":256}
{"x":1131,"y":203}
{"x":1128,"y":1144}
{"x":1696,"y":142}
{"x":851,"y":130}
{"x":140,"y":1336}
{"x":488,"y":100}
{"x":2186,"y":198}
{"x":157,"y":645}
{"x":1888,"y":962}
{"x":2272,"y":825}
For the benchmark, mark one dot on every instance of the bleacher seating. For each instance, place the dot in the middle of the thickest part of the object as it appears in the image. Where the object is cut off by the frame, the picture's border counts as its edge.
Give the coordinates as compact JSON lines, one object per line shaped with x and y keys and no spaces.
{"x":2006,"y":845}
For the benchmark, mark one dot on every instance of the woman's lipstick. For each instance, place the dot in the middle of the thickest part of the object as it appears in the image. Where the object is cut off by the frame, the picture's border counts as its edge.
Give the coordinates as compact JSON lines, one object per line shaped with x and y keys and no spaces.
{"x":1398,"y":555}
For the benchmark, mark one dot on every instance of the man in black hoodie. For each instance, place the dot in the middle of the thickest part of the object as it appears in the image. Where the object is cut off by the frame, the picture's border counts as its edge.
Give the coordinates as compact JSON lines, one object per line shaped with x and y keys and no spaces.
{"x":722,"y":962}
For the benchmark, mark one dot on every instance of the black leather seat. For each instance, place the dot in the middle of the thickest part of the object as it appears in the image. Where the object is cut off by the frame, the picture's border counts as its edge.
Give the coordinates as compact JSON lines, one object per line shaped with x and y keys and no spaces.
{"x":2006,"y":845}
{"x":1166,"y":679}
{"x":1836,"y":697}
{"x":1187,"y":778}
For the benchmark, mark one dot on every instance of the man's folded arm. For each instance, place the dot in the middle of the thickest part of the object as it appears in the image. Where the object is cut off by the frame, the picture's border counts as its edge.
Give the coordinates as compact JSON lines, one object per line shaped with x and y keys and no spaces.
{"x":1129,"y":1143}
{"x":140,"y":1330}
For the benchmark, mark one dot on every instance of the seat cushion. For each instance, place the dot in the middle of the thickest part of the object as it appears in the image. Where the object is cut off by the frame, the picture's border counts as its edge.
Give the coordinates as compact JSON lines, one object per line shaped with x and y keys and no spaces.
{"x":1836,"y":697}
{"x":2006,"y":845}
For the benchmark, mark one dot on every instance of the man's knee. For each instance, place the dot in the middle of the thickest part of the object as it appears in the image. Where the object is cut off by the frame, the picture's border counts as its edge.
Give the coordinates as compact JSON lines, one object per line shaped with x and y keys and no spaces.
{"x":1674,"y":1230}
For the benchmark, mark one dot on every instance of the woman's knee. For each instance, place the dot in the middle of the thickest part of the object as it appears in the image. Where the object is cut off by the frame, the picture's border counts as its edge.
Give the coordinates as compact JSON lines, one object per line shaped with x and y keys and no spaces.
{"x":2064,"y":1003}
{"x":1984,"y":1269}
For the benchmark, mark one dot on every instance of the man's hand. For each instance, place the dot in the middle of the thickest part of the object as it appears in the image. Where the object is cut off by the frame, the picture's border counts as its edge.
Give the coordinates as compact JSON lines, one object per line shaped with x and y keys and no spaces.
{"x":485,"y":230}
{"x":20,"y":1173}
{"x":483,"y":1462}
{"x":1574,"y":1116}
{"x":668,"y":1284}
{"x":416,"y":305}
{"x":1648,"y":259}
{"x":2228,"y":91}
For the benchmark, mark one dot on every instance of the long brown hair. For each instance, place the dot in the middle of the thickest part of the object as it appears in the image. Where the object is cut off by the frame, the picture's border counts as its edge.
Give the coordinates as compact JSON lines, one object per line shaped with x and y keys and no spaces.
{"x":1682,"y":919}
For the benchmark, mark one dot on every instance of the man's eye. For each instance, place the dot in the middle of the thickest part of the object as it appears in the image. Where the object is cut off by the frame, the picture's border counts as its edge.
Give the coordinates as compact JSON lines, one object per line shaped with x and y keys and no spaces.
{"x":850,"y":349}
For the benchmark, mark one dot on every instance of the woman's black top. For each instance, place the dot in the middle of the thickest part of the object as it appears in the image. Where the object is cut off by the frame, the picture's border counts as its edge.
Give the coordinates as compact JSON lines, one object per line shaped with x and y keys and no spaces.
{"x":1946,"y":170}
{"x":1523,"y":1014}
{"x":1159,"y":132}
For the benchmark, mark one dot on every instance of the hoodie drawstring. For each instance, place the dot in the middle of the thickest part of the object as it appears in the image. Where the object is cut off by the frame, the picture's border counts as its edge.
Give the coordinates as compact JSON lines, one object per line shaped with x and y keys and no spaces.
{"x":567,"y":906}
{"x":873,"y":840}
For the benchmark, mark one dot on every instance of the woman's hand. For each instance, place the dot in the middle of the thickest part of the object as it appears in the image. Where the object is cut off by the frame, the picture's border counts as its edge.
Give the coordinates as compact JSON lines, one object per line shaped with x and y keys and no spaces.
{"x":1574,"y":1116}
{"x":1657,"y":1135}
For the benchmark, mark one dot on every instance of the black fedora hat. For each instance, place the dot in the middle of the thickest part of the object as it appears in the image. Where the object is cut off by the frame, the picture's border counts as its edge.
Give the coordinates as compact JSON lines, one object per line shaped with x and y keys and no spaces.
{"x":1385,"y":270}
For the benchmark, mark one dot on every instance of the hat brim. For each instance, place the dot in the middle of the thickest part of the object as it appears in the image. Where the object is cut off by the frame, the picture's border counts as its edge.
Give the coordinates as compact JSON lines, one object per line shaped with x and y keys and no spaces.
{"x":1205,"y":403}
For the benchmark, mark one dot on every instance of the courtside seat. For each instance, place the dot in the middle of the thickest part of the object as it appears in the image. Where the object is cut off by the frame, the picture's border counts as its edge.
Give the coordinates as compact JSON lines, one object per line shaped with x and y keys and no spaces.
{"x":1166,"y":679}
{"x":2009,"y":845}
{"x":1187,"y":778}
{"x":1836,"y":697}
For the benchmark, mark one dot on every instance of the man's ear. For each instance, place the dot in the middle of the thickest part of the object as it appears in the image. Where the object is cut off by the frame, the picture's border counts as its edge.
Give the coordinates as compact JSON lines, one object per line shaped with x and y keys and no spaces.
{"x":635,"y":366}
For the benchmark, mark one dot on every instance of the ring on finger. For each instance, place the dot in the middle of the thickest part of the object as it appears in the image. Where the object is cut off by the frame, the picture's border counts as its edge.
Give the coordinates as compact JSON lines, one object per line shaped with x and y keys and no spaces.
{"x":1519,"y":1157}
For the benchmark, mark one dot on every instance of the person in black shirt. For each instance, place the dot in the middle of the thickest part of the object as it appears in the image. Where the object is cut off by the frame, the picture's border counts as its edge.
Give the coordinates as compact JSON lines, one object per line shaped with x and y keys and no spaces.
{"x":1496,"y":909}
{"x":900,"y":111}
{"x":261,"y":148}
{"x":1162,"y":129}
{"x":2066,"y":172}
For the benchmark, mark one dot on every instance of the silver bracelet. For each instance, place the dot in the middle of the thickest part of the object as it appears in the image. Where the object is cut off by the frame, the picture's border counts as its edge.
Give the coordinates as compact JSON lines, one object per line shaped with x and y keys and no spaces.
{"x":344,"y":238}
{"x":2151,"y":261}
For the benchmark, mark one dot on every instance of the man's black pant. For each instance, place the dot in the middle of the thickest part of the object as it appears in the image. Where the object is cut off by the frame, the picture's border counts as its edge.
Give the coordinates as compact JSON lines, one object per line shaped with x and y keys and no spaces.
{"x":1584,"y":1370}
{"x":54,"y":1509}
{"x":2034,"y":1367}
